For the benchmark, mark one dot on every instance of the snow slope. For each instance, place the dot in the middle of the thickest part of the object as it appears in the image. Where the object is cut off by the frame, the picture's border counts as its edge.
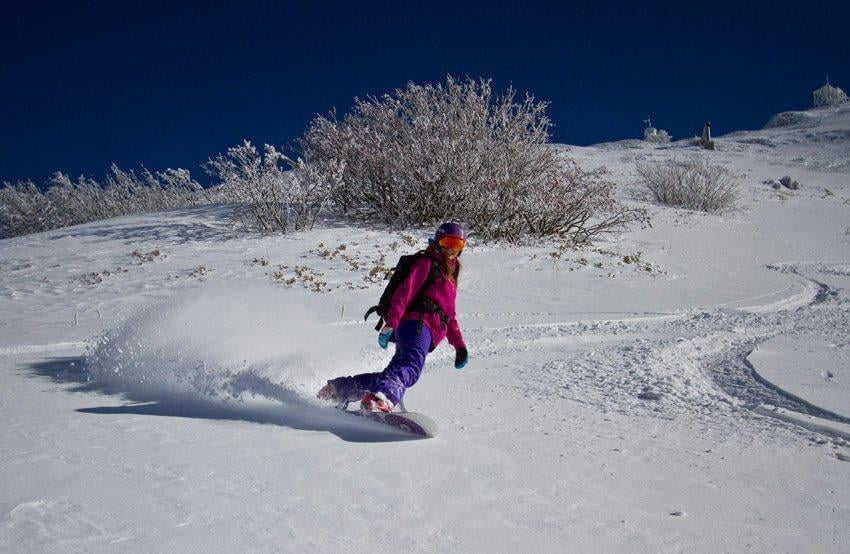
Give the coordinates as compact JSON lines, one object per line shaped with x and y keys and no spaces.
{"x":157,"y":376}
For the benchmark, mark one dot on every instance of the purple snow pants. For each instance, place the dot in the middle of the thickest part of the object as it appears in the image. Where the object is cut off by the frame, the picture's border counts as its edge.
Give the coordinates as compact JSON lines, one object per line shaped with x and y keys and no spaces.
{"x":411,"y":348}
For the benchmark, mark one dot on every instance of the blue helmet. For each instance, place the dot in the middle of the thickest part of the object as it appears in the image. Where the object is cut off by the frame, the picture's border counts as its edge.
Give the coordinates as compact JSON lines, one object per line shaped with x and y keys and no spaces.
{"x":449,"y":230}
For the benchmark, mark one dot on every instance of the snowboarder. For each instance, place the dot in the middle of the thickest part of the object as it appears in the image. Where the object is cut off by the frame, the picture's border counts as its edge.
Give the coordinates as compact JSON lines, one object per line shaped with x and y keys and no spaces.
{"x":418,"y":321}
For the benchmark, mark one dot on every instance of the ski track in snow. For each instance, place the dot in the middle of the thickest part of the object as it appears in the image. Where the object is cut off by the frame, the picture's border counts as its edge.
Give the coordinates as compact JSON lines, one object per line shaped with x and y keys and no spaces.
{"x":702,"y":369}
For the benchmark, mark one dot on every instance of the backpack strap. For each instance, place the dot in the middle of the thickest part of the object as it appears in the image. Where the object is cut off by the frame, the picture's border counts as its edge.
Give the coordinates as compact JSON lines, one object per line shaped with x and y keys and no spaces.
{"x":369,"y":312}
{"x":423,"y":304}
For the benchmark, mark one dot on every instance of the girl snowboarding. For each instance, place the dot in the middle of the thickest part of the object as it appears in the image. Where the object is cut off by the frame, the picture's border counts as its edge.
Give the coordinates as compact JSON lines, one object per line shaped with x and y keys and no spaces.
{"x":418,"y":320}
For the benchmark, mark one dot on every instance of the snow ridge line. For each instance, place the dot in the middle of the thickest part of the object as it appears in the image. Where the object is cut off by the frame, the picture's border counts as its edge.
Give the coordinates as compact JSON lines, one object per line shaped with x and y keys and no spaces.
{"x":812,"y":291}
{"x":794,"y":419}
{"x":29,"y":348}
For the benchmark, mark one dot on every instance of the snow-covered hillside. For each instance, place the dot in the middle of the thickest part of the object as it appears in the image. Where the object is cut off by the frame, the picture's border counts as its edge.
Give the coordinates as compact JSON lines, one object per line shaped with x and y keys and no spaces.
{"x":158,"y":372}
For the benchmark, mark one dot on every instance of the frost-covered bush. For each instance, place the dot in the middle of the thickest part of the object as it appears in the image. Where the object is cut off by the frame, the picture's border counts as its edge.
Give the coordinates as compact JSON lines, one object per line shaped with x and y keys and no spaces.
{"x":271,"y":198}
{"x":26,"y":208}
{"x":456,"y":151}
{"x":563,"y":200}
{"x":693,"y":183}
{"x":80,"y":202}
{"x":789,"y":183}
{"x":151,"y":192}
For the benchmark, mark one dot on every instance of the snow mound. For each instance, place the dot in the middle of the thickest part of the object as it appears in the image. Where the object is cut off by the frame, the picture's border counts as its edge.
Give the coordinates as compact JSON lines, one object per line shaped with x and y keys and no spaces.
{"x":791,"y":119}
{"x":625,"y":144}
{"x":223,"y":341}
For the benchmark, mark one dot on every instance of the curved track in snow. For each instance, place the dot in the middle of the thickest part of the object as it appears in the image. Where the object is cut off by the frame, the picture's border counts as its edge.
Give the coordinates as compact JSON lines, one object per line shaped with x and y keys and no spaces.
{"x":668,"y":364}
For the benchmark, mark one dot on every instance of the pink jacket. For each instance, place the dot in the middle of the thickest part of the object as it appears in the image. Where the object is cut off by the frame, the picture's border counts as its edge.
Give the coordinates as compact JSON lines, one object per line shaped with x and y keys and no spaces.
{"x":443,"y":292}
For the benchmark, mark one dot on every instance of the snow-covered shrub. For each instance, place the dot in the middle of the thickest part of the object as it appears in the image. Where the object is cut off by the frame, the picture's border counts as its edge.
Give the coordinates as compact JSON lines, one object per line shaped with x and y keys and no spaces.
{"x":26,"y":208}
{"x":272,"y":198}
{"x":563,"y":200}
{"x":791,"y":119}
{"x":122,"y":193}
{"x":455,"y":151}
{"x":80,"y":202}
{"x":789,"y":183}
{"x":693,"y":183}
{"x":151,"y":192}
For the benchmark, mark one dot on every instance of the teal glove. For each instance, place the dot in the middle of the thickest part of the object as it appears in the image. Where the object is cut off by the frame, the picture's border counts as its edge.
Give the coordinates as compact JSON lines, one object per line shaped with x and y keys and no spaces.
{"x":384,"y":337}
{"x":461,"y":357}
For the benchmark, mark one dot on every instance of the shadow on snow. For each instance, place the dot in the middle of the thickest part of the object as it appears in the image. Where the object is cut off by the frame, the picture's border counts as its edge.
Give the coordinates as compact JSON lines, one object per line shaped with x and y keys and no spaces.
{"x":294,"y":413}
{"x":208,"y":223}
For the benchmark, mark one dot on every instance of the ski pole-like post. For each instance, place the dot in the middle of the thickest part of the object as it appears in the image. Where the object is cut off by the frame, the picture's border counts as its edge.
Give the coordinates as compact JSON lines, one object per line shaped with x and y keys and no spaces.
{"x":342,"y":313}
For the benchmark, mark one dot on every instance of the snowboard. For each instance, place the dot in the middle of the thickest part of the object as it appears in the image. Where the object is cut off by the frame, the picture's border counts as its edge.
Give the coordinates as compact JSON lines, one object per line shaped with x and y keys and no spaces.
{"x":419,"y":425}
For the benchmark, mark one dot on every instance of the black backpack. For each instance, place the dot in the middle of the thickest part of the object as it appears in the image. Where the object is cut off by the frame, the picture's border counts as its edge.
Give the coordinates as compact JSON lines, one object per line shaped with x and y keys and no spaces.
{"x":397,"y":275}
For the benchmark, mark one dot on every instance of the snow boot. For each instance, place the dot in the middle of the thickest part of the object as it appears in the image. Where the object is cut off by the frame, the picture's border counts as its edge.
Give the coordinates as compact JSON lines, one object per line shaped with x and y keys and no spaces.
{"x":328,"y":392}
{"x":375,"y":403}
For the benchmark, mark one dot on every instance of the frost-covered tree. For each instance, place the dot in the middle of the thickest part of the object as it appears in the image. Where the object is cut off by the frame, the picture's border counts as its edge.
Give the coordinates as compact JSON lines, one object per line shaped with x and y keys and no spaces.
{"x":428,"y":153}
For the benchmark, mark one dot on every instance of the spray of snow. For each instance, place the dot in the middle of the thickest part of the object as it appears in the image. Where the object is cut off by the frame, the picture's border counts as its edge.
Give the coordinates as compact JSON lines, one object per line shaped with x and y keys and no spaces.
{"x":222,"y":341}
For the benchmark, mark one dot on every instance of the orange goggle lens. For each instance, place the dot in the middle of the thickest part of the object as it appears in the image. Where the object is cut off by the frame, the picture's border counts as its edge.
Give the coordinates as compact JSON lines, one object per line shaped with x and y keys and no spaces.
{"x":453,"y":243}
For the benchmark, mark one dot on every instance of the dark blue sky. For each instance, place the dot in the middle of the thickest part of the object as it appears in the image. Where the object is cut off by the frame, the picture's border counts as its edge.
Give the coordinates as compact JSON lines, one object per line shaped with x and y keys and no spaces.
{"x":85,"y":84}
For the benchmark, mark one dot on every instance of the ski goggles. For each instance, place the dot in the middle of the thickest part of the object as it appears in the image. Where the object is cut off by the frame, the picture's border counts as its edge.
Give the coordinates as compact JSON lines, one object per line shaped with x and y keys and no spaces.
{"x":452,"y":243}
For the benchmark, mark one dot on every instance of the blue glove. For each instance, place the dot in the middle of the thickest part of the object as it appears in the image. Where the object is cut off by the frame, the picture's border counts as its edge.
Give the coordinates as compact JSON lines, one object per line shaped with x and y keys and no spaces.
{"x":461,"y":357}
{"x":384,"y":337}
